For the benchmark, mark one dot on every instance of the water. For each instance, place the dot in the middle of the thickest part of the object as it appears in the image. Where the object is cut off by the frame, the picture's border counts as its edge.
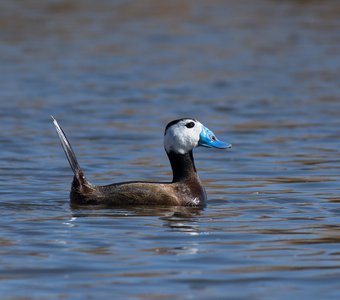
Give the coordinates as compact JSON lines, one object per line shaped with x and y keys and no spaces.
{"x":262,"y":75}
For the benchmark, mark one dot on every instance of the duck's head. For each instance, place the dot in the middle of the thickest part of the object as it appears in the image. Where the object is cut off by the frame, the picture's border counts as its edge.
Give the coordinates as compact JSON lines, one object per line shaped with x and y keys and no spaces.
{"x":183,"y":135}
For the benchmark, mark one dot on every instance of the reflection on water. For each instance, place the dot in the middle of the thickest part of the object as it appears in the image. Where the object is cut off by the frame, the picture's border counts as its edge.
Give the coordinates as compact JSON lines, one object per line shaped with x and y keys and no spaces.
{"x":264,"y":76}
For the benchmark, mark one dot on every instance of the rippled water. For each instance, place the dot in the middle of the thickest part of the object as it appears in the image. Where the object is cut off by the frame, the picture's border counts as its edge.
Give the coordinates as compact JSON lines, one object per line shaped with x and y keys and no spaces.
{"x":264,"y":75}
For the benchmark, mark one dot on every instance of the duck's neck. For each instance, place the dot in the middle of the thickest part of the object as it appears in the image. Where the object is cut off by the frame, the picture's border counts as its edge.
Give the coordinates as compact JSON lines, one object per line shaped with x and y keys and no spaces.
{"x":183,"y":166}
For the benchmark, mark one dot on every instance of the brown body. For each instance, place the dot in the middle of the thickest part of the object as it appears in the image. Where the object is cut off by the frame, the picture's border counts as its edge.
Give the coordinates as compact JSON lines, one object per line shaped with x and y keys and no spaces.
{"x":185,"y":190}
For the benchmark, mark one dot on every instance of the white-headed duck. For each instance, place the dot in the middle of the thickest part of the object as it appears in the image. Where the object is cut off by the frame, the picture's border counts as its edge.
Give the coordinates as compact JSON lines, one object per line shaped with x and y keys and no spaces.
{"x":180,"y":138}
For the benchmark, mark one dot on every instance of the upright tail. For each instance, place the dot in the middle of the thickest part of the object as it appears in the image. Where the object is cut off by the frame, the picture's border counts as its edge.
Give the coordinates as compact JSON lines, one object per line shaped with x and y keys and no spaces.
{"x":78,"y":173}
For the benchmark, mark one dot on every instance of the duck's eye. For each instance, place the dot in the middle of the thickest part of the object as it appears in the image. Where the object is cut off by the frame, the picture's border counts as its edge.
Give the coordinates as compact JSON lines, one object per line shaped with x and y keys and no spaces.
{"x":213,"y":138}
{"x":190,"y":124}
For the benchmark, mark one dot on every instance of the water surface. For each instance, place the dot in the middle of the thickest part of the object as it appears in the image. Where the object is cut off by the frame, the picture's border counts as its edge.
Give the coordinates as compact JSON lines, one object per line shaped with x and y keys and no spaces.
{"x":262,"y":75}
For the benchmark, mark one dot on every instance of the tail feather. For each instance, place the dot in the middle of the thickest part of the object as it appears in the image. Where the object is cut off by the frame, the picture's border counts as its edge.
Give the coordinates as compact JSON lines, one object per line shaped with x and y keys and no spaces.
{"x":79,"y":184}
{"x":67,"y":149}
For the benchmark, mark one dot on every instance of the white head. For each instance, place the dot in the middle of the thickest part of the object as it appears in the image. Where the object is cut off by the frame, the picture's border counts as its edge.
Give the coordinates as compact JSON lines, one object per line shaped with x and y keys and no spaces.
{"x":183,"y":135}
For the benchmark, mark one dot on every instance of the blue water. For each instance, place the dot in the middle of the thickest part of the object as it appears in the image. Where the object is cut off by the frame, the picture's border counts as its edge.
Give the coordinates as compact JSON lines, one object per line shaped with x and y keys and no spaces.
{"x":263,"y":75}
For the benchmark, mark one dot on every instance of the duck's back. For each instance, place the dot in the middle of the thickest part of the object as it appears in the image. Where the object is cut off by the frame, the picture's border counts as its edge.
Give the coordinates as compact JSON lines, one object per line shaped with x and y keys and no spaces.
{"x":190,"y":193}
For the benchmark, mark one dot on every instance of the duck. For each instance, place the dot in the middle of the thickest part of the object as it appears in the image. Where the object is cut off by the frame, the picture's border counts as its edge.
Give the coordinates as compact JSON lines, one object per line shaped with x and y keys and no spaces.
{"x":181,"y":136}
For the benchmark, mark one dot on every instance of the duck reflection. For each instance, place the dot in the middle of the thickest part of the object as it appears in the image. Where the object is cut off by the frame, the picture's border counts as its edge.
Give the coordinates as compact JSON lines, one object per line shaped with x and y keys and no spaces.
{"x":166,"y":213}
{"x":181,"y":220}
